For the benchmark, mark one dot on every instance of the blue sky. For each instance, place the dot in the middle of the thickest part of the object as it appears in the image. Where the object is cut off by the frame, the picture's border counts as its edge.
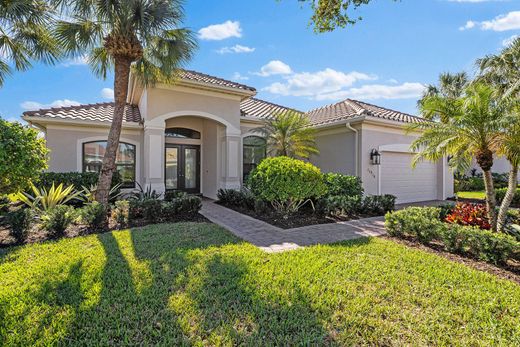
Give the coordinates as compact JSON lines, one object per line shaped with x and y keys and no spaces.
{"x":385,"y":59}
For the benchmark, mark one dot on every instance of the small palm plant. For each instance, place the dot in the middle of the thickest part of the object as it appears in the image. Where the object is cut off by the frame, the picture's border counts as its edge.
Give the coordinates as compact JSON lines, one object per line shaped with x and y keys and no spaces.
{"x":474,"y":131}
{"x":289,"y":134}
{"x":117,"y":35}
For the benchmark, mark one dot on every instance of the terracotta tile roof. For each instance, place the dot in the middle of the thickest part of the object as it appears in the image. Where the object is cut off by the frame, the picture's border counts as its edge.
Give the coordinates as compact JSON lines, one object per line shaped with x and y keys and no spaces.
{"x":261,"y":109}
{"x":101,"y":112}
{"x":204,"y":78}
{"x":349,"y":108}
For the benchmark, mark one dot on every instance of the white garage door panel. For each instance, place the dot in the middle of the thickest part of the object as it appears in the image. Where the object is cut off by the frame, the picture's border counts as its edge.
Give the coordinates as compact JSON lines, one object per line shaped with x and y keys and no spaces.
{"x":409,"y":185}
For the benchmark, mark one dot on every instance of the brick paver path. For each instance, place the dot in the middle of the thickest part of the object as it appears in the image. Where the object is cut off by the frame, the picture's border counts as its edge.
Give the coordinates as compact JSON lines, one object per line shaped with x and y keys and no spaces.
{"x":274,"y":239}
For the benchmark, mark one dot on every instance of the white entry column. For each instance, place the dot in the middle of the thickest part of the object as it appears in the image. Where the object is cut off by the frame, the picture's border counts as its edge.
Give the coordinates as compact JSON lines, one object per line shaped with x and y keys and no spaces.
{"x":154,"y":157}
{"x":230,"y":164}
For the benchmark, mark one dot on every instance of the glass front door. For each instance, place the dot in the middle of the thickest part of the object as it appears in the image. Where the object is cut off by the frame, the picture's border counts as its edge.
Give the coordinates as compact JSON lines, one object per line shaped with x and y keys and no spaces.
{"x":182,"y":168}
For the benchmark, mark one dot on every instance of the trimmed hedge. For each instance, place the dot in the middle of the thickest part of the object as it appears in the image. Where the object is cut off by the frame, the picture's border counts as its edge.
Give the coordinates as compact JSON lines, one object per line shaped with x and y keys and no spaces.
{"x":286,"y":183}
{"x":424,"y":225}
{"x":77,"y":179}
{"x":339,"y":184}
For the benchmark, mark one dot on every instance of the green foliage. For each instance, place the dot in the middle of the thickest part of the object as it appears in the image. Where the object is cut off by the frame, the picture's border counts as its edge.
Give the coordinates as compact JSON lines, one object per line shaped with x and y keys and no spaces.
{"x":469,"y":184}
{"x":339,"y":184}
{"x":340,"y":205}
{"x":329,"y":15}
{"x":5,"y":202}
{"x":23,"y":155}
{"x":152,"y":210}
{"x":501,"y":193}
{"x":181,"y":276}
{"x":183,"y":208}
{"x":174,"y":194}
{"x":423,"y":224}
{"x":78,"y":179}
{"x":88,"y":194}
{"x":233,"y":197}
{"x":143,"y":194}
{"x":57,"y":219}
{"x":44,"y":200}
{"x":286,"y":183}
{"x":94,"y":215}
{"x":121,"y":213}
{"x":20,"y":221}
{"x":378,"y":204}
{"x":289,"y":134}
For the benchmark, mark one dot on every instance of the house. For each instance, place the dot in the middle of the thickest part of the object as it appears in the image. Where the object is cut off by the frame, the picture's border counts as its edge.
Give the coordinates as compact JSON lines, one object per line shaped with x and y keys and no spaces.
{"x":198,"y":136}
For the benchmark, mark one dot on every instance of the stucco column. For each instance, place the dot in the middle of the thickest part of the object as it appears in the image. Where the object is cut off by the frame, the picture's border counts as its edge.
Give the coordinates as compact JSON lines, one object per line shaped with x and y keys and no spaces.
{"x":230,"y":164}
{"x":154,"y":157}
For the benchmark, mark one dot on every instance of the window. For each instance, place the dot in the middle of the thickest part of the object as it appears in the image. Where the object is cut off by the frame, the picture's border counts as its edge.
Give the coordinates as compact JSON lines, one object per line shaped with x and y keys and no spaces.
{"x":93,"y":153}
{"x":182,"y":133}
{"x":254,"y":152}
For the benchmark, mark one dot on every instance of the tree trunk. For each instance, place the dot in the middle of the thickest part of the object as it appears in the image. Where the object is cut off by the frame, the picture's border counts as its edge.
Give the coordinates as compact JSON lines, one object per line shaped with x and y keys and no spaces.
{"x":508,"y":198}
{"x":491,"y":202}
{"x":122,"y":72}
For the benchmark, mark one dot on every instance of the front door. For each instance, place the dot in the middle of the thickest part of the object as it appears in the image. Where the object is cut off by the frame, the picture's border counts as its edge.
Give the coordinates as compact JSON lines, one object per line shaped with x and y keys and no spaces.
{"x":182,"y":168}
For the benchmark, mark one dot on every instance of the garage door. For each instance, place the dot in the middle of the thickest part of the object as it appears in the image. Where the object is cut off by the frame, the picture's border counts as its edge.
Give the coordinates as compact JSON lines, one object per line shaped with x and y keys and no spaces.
{"x":409,"y":185}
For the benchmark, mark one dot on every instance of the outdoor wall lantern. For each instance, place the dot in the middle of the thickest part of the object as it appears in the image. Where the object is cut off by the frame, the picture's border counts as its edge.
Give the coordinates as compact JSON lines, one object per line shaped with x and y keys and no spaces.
{"x":375,"y":157}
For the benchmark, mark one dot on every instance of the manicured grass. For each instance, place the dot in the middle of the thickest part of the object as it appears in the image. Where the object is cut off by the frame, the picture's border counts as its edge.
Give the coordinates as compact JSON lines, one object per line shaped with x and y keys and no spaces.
{"x":472,"y":195}
{"x":195,"y":284}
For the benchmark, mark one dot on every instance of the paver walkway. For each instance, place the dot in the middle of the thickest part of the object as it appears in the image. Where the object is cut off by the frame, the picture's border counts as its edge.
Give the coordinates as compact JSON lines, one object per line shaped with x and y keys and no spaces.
{"x":274,"y":239}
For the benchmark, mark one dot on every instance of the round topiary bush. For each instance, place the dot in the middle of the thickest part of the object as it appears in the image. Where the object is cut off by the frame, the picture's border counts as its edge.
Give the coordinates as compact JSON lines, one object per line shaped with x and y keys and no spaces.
{"x":286,"y":183}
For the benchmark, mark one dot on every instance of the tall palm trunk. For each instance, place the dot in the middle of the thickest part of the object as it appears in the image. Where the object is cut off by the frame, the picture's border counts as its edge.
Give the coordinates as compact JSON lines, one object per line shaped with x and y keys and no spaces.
{"x":491,"y":202}
{"x":122,"y":72}
{"x":508,"y":198}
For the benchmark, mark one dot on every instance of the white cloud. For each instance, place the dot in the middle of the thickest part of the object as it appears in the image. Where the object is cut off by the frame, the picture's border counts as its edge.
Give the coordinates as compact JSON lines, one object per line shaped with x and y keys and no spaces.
{"x":34,"y":105}
{"x":82,"y":60}
{"x":317,"y":83}
{"x":274,"y":67}
{"x":107,"y":93}
{"x":407,"y":90}
{"x":509,"y":21}
{"x":509,"y":40}
{"x":221,"y":31}
{"x":236,"y":49}
{"x":238,"y":77}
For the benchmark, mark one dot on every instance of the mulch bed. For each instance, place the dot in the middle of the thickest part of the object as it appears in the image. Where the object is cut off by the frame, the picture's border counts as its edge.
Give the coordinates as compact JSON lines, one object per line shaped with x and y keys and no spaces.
{"x":303,"y":218}
{"x":509,"y":271}
{"x":38,"y":235}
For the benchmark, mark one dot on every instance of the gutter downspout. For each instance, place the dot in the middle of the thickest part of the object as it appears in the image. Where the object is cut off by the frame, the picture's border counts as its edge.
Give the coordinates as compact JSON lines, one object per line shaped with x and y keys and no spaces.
{"x":356,"y":154}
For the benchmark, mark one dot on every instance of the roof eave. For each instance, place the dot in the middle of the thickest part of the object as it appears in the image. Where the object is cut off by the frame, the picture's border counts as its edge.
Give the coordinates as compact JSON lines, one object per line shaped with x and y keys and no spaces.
{"x":42,"y":121}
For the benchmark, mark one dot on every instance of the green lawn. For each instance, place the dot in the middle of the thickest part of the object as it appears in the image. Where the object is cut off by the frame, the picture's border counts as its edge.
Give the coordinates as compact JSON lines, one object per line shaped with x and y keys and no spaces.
{"x":472,"y":195}
{"x":195,"y":284}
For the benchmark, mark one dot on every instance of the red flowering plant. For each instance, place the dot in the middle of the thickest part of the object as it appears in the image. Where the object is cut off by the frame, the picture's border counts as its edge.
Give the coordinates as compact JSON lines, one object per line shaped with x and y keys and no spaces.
{"x":469,"y":214}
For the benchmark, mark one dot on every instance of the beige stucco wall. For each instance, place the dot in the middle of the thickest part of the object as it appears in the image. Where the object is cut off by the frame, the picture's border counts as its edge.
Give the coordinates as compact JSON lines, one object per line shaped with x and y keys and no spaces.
{"x":65,"y":144}
{"x":337,"y":151}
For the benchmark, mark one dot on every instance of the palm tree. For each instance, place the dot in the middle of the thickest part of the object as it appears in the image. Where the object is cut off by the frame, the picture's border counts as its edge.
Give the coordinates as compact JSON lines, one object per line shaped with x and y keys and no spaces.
{"x":473,"y":131}
{"x":289,"y":134}
{"x":451,"y":86}
{"x":503,"y":71}
{"x":117,"y":35}
{"x":25,"y":35}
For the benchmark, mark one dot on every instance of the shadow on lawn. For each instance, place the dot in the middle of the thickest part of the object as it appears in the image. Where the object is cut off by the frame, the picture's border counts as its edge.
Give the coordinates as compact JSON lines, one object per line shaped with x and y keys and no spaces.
{"x":194,"y":295}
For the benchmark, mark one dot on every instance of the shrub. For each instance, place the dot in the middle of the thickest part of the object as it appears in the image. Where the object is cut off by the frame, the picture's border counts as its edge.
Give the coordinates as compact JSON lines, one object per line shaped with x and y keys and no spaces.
{"x":471,"y":184}
{"x":4,"y":204}
{"x":23,"y":155}
{"x":423,"y":224}
{"x":57,"y":219}
{"x":77,"y":179}
{"x":286,"y":183}
{"x":144,"y":194}
{"x":20,"y":222}
{"x":183,"y":208}
{"x":152,"y":210}
{"x":378,"y":204}
{"x":470,"y":215}
{"x":174,"y":194}
{"x":233,"y":197}
{"x":445,"y":210}
{"x":94,"y":215}
{"x":135,"y":210}
{"x":121,"y":213}
{"x":338,"y":184}
{"x":340,"y":205}
{"x":501,"y":193}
